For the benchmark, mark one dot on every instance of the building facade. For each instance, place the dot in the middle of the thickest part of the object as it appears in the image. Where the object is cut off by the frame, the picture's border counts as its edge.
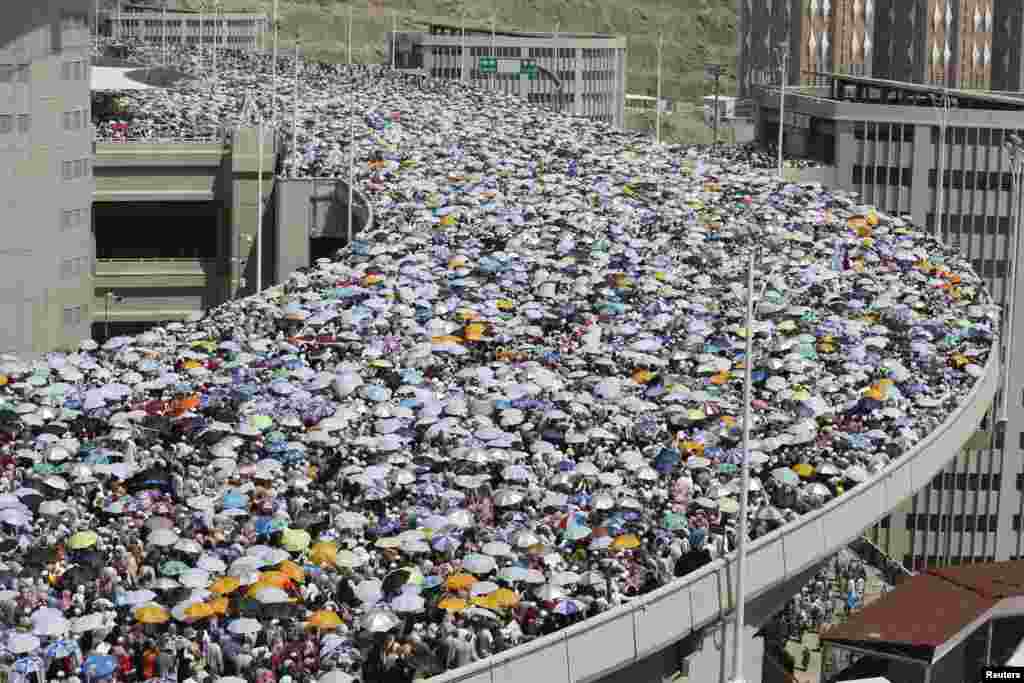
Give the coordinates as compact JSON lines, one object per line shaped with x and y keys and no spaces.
{"x":143,"y":23}
{"x":938,"y":42}
{"x":820,"y":36}
{"x":579,"y":74}
{"x":886,"y":142}
{"x":47,"y":182}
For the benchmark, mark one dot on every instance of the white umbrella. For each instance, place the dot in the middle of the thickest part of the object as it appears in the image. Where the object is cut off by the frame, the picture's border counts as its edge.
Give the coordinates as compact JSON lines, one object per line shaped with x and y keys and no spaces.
{"x":379,"y":621}
{"x":23,"y":643}
{"x":335,"y":676}
{"x":245,"y":626}
{"x":163,"y":538}
{"x":272,"y":596}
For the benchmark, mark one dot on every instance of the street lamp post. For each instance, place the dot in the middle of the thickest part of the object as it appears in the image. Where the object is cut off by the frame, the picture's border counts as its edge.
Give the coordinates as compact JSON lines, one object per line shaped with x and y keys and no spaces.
{"x":107,"y":300}
{"x":742,"y":524}
{"x":783,"y":77}
{"x":1015,"y":148}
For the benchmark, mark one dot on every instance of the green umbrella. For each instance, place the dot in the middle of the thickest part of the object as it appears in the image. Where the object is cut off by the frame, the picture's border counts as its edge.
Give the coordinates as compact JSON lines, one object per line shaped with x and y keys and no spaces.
{"x":261,"y":422}
{"x":674,"y":521}
{"x":728,"y":468}
{"x":44,"y":468}
{"x":173,"y":568}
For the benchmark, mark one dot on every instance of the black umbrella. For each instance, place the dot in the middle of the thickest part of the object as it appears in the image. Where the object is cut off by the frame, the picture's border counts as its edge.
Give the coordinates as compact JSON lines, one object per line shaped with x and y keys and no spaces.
{"x":152,"y":478}
{"x":40,"y":556}
{"x":77,"y":575}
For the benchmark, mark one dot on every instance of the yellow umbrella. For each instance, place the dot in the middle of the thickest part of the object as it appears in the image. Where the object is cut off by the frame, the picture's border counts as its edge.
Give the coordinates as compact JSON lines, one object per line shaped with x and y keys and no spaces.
{"x":643,"y":376}
{"x":323,"y":553}
{"x":504,"y":597}
{"x":373,"y":279}
{"x":152,"y":614}
{"x":486,"y":601}
{"x":460,"y":581}
{"x":83,"y":539}
{"x":804,"y":469}
{"x":452,"y":604}
{"x":225,"y":585}
{"x":295,"y":540}
{"x":292,"y":571}
{"x":199,"y":610}
{"x":626,"y":542}
{"x":446,"y":339}
{"x":475,"y":331}
{"x":324,"y":620}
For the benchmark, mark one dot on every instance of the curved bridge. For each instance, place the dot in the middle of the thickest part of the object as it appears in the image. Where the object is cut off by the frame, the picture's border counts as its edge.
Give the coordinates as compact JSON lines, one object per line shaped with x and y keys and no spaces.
{"x":778,"y":564}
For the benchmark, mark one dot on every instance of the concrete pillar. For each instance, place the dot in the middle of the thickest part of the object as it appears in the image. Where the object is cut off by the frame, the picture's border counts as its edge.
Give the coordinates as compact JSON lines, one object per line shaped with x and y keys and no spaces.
{"x":577,"y":90}
{"x":244,"y":208}
{"x":923,"y":161}
{"x":712,"y":662}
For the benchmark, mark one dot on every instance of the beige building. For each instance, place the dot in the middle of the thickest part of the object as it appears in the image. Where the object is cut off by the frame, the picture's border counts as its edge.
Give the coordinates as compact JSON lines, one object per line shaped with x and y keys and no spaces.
{"x":46,"y":174}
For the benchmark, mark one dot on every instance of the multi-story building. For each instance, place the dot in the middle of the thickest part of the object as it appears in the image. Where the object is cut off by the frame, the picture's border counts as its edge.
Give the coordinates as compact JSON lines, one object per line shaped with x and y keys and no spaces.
{"x":1008,"y":46}
{"x":819,"y":36}
{"x":155,"y":24}
{"x":46,"y":178}
{"x":940,"y":42}
{"x":580,"y":74}
{"x":951,"y":174}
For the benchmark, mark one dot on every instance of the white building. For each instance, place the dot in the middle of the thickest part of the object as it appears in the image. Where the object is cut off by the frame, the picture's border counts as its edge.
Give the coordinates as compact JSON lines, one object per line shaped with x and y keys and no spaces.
{"x":152,"y":24}
{"x":581,"y":74}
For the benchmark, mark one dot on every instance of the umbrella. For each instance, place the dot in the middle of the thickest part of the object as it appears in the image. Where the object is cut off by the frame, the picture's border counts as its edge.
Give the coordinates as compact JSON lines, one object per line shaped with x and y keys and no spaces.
{"x":626,"y":542}
{"x":460,"y":582}
{"x":245,"y":626}
{"x":295,"y":540}
{"x":336,"y":676}
{"x":379,"y":621}
{"x":324,"y":620}
{"x":151,"y":614}
{"x":452,"y":604}
{"x":23,"y":643}
{"x":83,"y":539}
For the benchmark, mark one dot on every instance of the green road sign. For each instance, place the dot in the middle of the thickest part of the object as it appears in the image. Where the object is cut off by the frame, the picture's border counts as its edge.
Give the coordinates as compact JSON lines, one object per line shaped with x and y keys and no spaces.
{"x":528,"y":68}
{"x":489,"y":64}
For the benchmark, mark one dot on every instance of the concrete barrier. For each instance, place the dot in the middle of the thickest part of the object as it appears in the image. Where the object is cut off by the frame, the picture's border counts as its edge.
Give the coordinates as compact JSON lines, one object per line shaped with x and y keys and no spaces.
{"x":625,"y":635}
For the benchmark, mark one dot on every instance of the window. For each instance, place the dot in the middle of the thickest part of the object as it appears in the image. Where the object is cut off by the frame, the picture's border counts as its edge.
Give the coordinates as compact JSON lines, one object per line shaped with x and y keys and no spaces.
{"x":958,"y":523}
{"x":72,"y":316}
{"x":972,"y":481}
{"x":884,"y":523}
{"x":937,"y":482}
{"x":997,"y":482}
{"x":858,"y":174}
{"x":24,"y":123}
{"x":993,"y":522}
{"x":65,"y":71}
{"x":6,"y":123}
{"x":67,"y":170}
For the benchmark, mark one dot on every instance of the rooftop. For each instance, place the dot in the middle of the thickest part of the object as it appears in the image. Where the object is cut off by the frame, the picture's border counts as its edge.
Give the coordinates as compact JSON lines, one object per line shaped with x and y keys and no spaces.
{"x":454,"y":28}
{"x":928,"y":610}
{"x":847,"y":88}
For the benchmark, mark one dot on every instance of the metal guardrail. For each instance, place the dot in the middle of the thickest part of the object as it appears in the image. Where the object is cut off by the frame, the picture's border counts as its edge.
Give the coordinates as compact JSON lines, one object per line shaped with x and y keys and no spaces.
{"x":161,"y":141}
{"x":619,"y":637}
{"x":156,"y":259}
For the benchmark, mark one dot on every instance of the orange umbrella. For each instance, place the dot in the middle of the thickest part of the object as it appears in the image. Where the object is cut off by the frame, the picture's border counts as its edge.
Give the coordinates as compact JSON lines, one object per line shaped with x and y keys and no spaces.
{"x":452,"y":604}
{"x":475,"y":331}
{"x":279,"y":579}
{"x":324,"y":620}
{"x":460,"y":581}
{"x":292,"y":571}
{"x":446,"y":339}
{"x":626,"y":542}
{"x":219,"y":605}
{"x":323,"y":554}
{"x":225,"y":585}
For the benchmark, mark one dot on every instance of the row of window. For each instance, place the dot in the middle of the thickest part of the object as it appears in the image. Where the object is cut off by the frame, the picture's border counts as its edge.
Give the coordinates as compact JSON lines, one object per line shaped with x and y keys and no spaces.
{"x":15,"y":73}
{"x":71,"y":268}
{"x":985,"y":137}
{"x":882,"y":175}
{"x":961,"y":522}
{"x":74,"y":218}
{"x":962,"y":481}
{"x":76,"y":119}
{"x":8,"y":123}
{"x":75,"y":70}
{"x":76,"y":168}
{"x":75,"y":315}
{"x":991,"y":268}
{"x":978,"y":224}
{"x":884,"y":131}
{"x":920,"y":562}
{"x":972,"y":180}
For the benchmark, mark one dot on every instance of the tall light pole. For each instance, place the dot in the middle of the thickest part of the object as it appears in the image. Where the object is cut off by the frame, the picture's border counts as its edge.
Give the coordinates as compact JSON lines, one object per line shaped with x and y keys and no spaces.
{"x":657,"y":115}
{"x":1015,"y":148}
{"x":163,"y":30}
{"x":295,"y":112}
{"x":351,"y":133}
{"x":394,"y":38}
{"x":784,"y":76}
{"x":259,"y":208}
{"x":273,"y":72}
{"x":742,"y":524}
{"x":462,"y":49}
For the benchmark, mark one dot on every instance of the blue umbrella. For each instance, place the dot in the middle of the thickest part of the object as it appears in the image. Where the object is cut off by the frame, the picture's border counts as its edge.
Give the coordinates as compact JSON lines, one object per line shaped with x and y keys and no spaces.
{"x":235,"y":500}
{"x":99,"y":666}
{"x":62,"y":648}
